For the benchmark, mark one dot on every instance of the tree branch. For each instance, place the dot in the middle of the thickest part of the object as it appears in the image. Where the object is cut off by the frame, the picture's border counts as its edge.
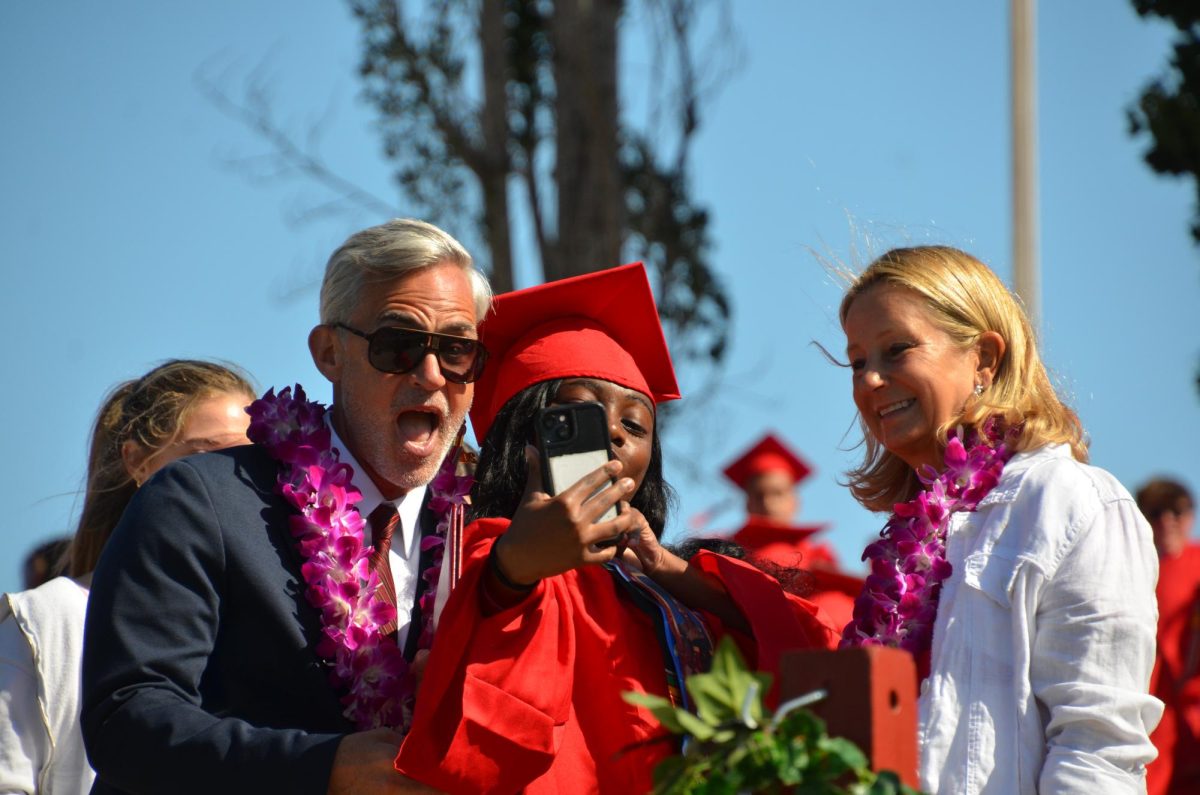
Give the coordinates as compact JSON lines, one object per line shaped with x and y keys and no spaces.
{"x":254,"y":112}
{"x":416,"y":65}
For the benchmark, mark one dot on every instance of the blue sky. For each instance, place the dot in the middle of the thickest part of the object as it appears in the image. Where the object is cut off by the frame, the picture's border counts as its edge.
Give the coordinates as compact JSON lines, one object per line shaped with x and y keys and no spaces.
{"x":846,"y":129}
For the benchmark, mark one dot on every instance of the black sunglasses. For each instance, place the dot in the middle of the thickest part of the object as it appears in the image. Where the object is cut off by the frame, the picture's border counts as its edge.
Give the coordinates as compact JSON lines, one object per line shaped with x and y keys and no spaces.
{"x":400,"y":350}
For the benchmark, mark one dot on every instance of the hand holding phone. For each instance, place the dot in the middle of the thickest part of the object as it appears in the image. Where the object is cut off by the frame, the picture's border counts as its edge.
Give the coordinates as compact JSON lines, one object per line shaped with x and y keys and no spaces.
{"x":567,"y":516}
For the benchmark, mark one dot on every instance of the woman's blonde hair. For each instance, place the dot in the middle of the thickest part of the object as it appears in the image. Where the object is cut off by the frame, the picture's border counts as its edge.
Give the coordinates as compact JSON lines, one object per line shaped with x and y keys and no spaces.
{"x":965,"y":299}
{"x":149,"y":411}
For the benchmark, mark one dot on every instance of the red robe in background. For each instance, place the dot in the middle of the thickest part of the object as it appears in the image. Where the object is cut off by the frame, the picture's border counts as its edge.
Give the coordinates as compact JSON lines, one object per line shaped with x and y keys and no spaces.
{"x":529,"y":699}
{"x":1175,"y":679}
{"x":793,"y":546}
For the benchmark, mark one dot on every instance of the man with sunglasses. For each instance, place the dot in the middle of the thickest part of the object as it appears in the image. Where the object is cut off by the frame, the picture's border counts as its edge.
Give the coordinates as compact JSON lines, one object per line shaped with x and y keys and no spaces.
{"x":201,"y":664}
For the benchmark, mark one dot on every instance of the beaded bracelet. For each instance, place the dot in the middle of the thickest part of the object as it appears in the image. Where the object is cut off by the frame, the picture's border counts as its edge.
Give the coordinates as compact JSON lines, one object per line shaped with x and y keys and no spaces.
{"x":494,"y":565}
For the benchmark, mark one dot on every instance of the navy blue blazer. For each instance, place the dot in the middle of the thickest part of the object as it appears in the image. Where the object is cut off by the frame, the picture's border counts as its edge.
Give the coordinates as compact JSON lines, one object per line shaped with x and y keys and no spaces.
{"x":199,"y":674}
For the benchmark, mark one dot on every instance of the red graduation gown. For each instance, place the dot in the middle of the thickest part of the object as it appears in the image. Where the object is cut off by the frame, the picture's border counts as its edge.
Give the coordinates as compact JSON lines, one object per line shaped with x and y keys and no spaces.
{"x":529,"y":699}
{"x":1177,"y":738}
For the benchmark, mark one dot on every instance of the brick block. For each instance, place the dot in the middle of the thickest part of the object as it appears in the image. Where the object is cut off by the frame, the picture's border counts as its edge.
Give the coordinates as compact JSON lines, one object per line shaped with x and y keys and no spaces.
{"x":872,"y":700}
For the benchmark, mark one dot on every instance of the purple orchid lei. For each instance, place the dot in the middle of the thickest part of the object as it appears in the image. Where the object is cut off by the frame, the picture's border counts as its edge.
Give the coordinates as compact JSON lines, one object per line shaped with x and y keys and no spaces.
{"x":899,"y":600}
{"x":370,"y":667}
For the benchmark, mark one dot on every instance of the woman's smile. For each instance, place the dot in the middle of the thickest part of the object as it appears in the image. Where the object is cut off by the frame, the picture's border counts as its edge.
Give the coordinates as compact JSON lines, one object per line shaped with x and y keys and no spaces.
{"x":892,"y":408}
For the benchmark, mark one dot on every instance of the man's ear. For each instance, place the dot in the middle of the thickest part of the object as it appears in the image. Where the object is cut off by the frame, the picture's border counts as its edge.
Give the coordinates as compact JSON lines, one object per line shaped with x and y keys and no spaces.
{"x":326,"y":349}
{"x":991,"y":347}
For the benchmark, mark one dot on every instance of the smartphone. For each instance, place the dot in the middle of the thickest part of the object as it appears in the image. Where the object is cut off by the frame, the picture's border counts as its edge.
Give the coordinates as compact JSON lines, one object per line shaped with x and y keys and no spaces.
{"x":573,"y":442}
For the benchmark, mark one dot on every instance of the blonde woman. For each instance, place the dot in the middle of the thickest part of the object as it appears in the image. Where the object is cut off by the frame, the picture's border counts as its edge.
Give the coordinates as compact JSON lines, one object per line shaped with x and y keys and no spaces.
{"x":1020,"y":577}
{"x":177,"y":409}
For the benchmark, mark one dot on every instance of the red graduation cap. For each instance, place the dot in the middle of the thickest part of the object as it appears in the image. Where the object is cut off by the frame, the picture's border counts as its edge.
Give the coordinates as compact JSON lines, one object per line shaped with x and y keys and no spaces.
{"x":599,"y":325}
{"x":768,"y":454}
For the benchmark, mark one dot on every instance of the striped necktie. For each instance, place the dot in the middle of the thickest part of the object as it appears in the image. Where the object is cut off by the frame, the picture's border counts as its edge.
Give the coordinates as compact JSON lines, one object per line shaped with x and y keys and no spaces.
{"x":383,"y":522}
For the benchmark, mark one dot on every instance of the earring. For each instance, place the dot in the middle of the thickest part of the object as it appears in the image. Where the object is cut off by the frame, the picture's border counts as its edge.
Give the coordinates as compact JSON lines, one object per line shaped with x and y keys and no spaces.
{"x":978,"y":390}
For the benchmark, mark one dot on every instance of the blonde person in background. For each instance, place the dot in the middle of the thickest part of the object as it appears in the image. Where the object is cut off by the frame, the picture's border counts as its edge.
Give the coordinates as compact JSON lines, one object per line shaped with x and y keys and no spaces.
{"x":179,"y":408}
{"x":1021,"y":578}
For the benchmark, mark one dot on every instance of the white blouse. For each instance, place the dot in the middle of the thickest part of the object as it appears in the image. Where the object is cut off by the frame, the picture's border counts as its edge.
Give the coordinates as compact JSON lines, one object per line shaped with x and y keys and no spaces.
{"x":1044,"y":639}
{"x":41,"y":649}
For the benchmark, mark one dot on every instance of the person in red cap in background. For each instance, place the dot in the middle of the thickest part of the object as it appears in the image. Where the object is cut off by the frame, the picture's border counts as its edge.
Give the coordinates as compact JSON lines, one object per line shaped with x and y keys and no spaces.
{"x":770,"y":475}
{"x":550,"y":621}
{"x":1171,"y":512}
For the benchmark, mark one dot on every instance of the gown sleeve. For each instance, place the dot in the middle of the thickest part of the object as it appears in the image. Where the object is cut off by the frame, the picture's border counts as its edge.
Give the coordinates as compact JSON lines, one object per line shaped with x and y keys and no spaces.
{"x":779,"y":621}
{"x":497,"y":688}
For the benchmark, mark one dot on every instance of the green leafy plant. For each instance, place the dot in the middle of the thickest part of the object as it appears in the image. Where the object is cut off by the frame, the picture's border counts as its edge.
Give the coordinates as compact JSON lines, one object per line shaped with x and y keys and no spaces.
{"x":734,"y":744}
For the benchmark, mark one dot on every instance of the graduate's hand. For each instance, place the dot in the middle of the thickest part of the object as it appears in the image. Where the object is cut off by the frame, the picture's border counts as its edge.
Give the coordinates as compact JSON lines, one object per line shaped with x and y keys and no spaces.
{"x":686,"y":583}
{"x":365,"y":763}
{"x":552,"y":535}
{"x":646,"y":552}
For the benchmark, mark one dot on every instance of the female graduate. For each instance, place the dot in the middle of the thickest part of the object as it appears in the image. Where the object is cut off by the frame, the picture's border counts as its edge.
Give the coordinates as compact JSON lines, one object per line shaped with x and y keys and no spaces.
{"x":550,"y":622}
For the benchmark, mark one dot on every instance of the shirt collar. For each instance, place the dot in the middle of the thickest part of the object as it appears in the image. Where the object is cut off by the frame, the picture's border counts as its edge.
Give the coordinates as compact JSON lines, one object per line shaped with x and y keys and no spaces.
{"x":1011,"y":478}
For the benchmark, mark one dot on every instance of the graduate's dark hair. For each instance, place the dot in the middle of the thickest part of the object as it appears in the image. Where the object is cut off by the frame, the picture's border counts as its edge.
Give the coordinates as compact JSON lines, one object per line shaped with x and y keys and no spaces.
{"x":500,"y":473}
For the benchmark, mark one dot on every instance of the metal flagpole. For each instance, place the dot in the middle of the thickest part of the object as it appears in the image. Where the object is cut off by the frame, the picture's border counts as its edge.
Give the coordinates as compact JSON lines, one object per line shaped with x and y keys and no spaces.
{"x":1024,"y":149}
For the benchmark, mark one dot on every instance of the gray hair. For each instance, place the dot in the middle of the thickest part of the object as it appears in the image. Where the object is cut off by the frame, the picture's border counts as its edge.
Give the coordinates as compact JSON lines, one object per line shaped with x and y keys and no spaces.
{"x":387,"y":251}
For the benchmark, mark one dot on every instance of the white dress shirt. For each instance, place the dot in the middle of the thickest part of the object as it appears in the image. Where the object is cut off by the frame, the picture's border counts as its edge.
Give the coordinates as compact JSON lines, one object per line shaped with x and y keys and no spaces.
{"x":405,"y":557}
{"x":1044,"y":639}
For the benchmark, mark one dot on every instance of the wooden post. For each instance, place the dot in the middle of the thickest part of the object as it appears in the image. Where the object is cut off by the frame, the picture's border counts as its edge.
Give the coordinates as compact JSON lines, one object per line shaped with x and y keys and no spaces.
{"x":872,"y":700}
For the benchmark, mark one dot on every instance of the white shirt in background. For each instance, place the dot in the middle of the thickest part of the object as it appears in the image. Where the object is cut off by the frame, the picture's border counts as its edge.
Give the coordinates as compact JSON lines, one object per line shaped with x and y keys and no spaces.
{"x":41,"y":651}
